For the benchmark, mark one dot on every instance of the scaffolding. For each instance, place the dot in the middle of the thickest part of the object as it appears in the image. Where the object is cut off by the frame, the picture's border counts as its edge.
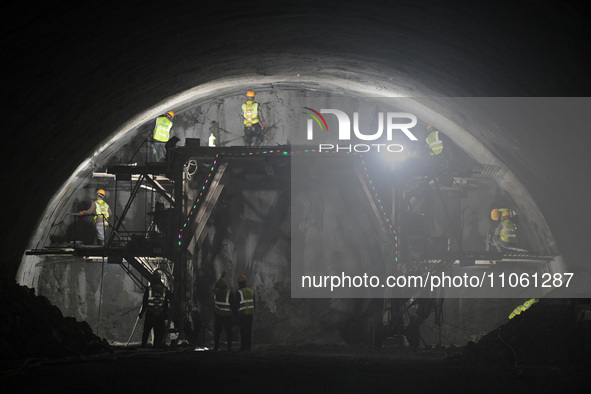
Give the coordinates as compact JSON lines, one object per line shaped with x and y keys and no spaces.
{"x":192,"y":180}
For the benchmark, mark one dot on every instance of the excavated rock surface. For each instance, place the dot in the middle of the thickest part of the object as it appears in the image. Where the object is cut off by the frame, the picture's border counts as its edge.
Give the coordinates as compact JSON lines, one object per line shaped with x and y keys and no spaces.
{"x":550,"y":332}
{"x":42,"y":350}
{"x":31,"y":327}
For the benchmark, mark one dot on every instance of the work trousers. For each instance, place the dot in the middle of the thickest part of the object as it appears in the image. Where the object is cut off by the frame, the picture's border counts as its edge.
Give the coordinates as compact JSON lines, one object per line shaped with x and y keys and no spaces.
{"x":159,"y":150}
{"x":100,"y":232}
{"x":253,"y":134}
{"x":154,"y":320}
{"x":219,"y":323}
{"x":245,"y":323}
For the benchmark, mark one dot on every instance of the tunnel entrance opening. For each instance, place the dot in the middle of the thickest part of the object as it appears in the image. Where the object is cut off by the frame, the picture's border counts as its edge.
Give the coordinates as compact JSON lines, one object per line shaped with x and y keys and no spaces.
{"x":210,"y":106}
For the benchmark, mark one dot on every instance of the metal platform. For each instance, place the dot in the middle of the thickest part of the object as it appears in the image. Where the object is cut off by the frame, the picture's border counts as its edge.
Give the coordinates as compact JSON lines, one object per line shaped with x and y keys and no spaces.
{"x":469,"y":258}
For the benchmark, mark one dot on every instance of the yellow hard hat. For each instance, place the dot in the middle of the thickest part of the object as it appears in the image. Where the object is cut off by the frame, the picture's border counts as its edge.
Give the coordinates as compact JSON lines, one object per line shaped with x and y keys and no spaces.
{"x":250,"y":93}
{"x":171,"y":114}
{"x":495,"y":214}
{"x":101,"y":192}
{"x":241,"y":278}
{"x":506,"y":214}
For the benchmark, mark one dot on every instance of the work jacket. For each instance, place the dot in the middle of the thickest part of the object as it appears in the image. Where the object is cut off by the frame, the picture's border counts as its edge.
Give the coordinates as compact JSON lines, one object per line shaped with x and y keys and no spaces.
{"x":522,"y":308}
{"x":250,"y":110}
{"x":508,"y":231}
{"x":221,"y":299}
{"x":162,"y":129}
{"x":101,"y":211}
{"x":246,"y":301}
{"x":435,"y":143}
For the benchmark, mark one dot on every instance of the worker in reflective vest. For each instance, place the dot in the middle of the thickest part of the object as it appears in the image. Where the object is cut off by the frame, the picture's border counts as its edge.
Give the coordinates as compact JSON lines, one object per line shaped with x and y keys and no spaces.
{"x":496,"y":213}
{"x":101,"y":211}
{"x":161,"y":134}
{"x":245,"y":301}
{"x":522,"y":308}
{"x":253,"y":121}
{"x":506,"y":232}
{"x":223,"y":304}
{"x":155,"y":306}
{"x":438,"y":147}
{"x":434,"y":141}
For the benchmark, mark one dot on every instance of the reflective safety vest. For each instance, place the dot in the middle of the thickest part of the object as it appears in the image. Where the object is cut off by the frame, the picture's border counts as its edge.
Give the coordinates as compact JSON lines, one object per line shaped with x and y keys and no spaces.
{"x":101,"y":208}
{"x":156,"y":295}
{"x":162,"y":129}
{"x":221,"y":298}
{"x":246,"y":306}
{"x":508,"y":232}
{"x":250,"y":109}
{"x":522,"y":308}
{"x":435,"y":143}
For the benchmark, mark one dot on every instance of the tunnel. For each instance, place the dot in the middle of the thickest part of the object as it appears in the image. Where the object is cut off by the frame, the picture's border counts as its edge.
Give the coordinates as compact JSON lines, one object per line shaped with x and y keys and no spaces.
{"x":90,"y":81}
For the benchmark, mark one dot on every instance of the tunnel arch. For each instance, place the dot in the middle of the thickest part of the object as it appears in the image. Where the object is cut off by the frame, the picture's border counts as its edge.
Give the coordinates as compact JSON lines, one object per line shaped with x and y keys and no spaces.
{"x":360,"y":79}
{"x":446,"y":113}
{"x":463,"y":63}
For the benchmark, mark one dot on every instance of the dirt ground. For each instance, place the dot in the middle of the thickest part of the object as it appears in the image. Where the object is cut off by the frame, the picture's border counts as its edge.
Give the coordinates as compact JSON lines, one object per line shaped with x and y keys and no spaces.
{"x":317,"y":369}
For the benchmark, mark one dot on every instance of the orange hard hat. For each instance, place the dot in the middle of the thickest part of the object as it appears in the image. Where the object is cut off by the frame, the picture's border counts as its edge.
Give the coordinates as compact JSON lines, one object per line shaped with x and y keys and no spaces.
{"x":241,"y":278}
{"x":250,"y":93}
{"x":495,"y":214}
{"x":506,"y":214}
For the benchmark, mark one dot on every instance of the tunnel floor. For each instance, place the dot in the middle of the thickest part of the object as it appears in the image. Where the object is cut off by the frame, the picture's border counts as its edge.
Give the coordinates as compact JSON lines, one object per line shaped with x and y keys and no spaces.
{"x":290,"y":369}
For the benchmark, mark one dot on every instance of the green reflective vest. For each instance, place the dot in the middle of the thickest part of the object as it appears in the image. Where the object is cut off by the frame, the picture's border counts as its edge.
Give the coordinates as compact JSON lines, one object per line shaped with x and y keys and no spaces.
{"x":508,"y":231}
{"x":250,"y":109}
{"x":246,"y":305}
{"x":435,"y":143}
{"x":522,"y":308}
{"x":221,"y":299}
{"x":101,"y":208}
{"x":162,"y":129}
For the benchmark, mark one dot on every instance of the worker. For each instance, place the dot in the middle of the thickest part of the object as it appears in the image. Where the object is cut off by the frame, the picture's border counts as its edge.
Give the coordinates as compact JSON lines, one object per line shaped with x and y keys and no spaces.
{"x":101,"y":211}
{"x":496,"y":213}
{"x":505,"y":236}
{"x":523,"y":307}
{"x":161,"y":134}
{"x":438,"y":146}
{"x":223,"y":304}
{"x":253,"y":121}
{"x":424,"y":308}
{"x":245,"y":302}
{"x":434,"y":141}
{"x":155,"y":306}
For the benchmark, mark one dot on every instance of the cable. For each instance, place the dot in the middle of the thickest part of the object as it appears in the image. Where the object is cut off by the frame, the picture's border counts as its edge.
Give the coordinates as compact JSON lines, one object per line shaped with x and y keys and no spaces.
{"x":509,"y":346}
{"x":190,"y":168}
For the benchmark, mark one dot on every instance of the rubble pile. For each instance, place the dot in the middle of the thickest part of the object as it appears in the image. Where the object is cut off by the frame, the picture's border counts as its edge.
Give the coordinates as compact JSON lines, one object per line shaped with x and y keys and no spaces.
{"x":30,"y":326}
{"x":550,"y":332}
